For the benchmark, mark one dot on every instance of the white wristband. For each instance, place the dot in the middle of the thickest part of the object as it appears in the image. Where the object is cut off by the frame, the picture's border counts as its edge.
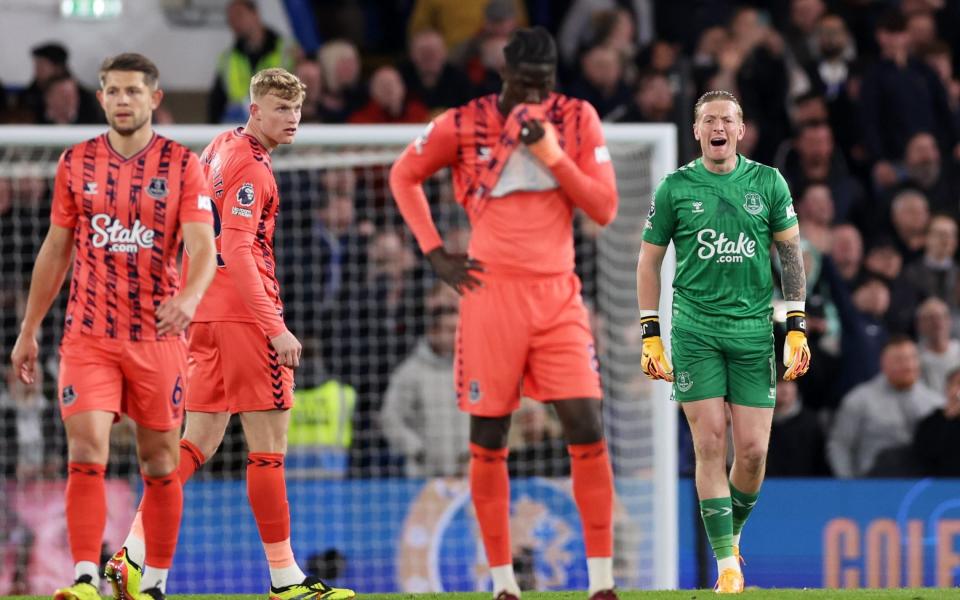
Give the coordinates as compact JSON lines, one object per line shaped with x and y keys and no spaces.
{"x":796,"y":305}
{"x":649,"y":313}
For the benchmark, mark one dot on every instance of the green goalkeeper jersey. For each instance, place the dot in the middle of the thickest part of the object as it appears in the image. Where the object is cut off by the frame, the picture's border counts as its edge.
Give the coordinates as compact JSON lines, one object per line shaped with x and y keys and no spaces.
{"x":722,"y":227}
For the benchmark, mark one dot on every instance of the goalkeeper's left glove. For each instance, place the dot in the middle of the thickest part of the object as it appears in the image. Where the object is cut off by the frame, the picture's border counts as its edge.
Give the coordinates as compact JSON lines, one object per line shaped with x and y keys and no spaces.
{"x":654,"y":361}
{"x":796,"y":352}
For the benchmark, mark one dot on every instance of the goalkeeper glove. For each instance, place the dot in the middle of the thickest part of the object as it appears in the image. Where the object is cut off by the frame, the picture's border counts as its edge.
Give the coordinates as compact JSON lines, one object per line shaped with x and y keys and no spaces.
{"x":654,"y":362}
{"x":796,"y":353}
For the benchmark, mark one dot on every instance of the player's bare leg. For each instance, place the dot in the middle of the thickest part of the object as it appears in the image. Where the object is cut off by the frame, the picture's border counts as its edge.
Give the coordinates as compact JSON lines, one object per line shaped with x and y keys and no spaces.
{"x":162,"y":504}
{"x":751,"y":438}
{"x":202,"y":437}
{"x":266,"y":435}
{"x":88,"y":448}
{"x":490,"y":491}
{"x":592,"y":487}
{"x":708,"y":427}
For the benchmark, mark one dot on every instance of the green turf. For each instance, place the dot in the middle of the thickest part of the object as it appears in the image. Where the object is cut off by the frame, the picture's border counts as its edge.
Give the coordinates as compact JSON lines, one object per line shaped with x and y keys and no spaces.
{"x":773,"y":594}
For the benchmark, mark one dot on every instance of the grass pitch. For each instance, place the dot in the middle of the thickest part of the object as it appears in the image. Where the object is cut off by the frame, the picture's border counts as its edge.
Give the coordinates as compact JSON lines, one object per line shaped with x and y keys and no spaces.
{"x":754,"y":594}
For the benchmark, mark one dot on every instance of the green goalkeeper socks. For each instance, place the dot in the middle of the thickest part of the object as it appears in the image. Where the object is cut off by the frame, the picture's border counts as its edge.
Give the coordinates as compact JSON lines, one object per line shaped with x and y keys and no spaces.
{"x":718,"y":521}
{"x":743,"y":503}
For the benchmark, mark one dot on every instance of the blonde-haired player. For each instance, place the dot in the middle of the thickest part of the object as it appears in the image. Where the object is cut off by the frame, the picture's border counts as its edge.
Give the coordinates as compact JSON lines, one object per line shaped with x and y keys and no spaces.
{"x":241,"y":353}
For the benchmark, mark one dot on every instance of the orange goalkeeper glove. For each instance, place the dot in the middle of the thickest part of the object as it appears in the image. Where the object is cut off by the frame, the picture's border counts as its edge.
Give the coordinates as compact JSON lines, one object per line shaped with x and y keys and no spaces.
{"x":796,"y":352}
{"x":654,"y":361}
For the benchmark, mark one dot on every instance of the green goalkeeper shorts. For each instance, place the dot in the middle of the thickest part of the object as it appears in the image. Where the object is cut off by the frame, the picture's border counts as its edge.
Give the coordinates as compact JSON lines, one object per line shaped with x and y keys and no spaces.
{"x":740,"y":370}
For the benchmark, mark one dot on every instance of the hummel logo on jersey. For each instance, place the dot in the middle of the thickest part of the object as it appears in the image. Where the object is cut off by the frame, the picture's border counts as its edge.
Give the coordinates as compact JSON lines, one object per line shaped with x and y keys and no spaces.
{"x":726,"y":250}
{"x":790,"y":211}
{"x":90,"y":187}
{"x":484,"y":154}
{"x":698,"y":207}
{"x":107,"y":230}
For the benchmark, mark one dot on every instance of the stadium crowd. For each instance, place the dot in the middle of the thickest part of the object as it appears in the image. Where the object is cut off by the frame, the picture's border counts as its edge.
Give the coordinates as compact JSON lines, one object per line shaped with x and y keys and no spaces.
{"x":855,"y":101}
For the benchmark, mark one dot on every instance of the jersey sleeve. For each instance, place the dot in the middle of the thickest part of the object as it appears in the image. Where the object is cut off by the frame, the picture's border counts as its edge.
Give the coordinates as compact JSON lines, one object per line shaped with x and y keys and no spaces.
{"x":782,"y":214}
{"x":589,"y":181}
{"x":195,"y":204}
{"x":63,"y":209}
{"x":433,"y":150}
{"x":660,"y":220}
{"x":246,"y":191}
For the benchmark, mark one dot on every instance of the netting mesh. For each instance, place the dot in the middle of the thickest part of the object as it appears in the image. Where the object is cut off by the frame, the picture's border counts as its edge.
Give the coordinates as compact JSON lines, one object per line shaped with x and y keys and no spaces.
{"x":377,"y":453}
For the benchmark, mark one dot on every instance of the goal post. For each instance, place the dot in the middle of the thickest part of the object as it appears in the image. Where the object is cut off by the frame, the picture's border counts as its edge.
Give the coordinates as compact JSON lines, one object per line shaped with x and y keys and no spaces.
{"x":355,"y":497}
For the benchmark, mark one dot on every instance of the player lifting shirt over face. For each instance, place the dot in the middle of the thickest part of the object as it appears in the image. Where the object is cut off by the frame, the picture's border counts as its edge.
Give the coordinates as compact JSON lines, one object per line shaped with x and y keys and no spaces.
{"x":522,"y":162}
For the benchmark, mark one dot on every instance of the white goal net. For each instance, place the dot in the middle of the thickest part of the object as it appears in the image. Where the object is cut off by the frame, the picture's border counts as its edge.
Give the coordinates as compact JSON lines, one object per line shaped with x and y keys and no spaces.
{"x":376,"y":470}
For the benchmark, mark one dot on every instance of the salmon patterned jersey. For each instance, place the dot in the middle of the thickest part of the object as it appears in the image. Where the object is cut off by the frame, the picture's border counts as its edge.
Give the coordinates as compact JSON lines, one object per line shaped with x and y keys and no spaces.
{"x":245,"y":198}
{"x":126,"y":215}
{"x":521,"y":217}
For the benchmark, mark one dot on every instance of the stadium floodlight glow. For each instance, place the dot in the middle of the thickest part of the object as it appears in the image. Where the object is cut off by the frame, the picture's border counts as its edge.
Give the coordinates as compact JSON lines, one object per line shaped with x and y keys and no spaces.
{"x":91,"y":10}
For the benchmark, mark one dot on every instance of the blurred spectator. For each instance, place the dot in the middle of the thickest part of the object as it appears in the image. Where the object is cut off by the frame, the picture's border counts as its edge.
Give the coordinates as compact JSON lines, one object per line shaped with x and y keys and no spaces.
{"x":881,"y":413}
{"x":481,"y":56}
{"x":939,"y":58}
{"x":32,"y":419}
{"x":61,"y":99}
{"x":310,"y":74}
{"x":579,"y":27}
{"x":343,"y":89}
{"x":536,"y":445}
{"x":924,"y":169}
{"x":831,"y":72}
{"x":49,"y":65}
{"x":429,"y":77}
{"x":909,"y":218}
{"x":939,"y":353}
{"x":921,"y":31}
{"x":815,"y":213}
{"x":320,"y":433}
{"x":459,"y":21}
{"x":813,"y":158}
{"x":863,"y":332}
{"x":420,"y":416}
{"x":601,"y":81}
{"x":935,"y":440}
{"x":372,"y":329}
{"x":806,"y":109}
{"x":762,"y":79}
{"x":255,"y":47}
{"x":652,"y":102}
{"x":883,"y":259}
{"x":900,"y":96}
{"x":847,"y":252}
{"x":484,"y":71}
{"x":389,"y":102}
{"x":936,"y":273}
{"x":801,"y":32}
{"x":797,"y":442}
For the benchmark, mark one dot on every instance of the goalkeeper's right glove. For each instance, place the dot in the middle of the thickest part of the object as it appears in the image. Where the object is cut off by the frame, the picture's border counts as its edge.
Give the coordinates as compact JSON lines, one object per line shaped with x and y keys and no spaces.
{"x":796,"y":352}
{"x":654,"y":362}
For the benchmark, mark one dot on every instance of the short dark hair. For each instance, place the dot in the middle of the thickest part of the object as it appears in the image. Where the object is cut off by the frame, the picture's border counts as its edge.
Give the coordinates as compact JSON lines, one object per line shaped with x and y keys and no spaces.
{"x":53,"y":52}
{"x":130,"y":61}
{"x":530,"y":45}
{"x":898,"y":339}
{"x":892,"y":21}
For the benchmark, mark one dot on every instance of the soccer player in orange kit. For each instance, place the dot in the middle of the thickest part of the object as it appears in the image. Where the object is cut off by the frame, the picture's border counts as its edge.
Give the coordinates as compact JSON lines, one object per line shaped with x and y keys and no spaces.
{"x":522,"y":161}
{"x":123,"y":201}
{"x":241,"y":353}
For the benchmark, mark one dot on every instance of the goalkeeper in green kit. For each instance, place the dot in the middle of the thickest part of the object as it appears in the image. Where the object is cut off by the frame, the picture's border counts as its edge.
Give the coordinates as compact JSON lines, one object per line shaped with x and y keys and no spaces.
{"x":722,"y":211}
